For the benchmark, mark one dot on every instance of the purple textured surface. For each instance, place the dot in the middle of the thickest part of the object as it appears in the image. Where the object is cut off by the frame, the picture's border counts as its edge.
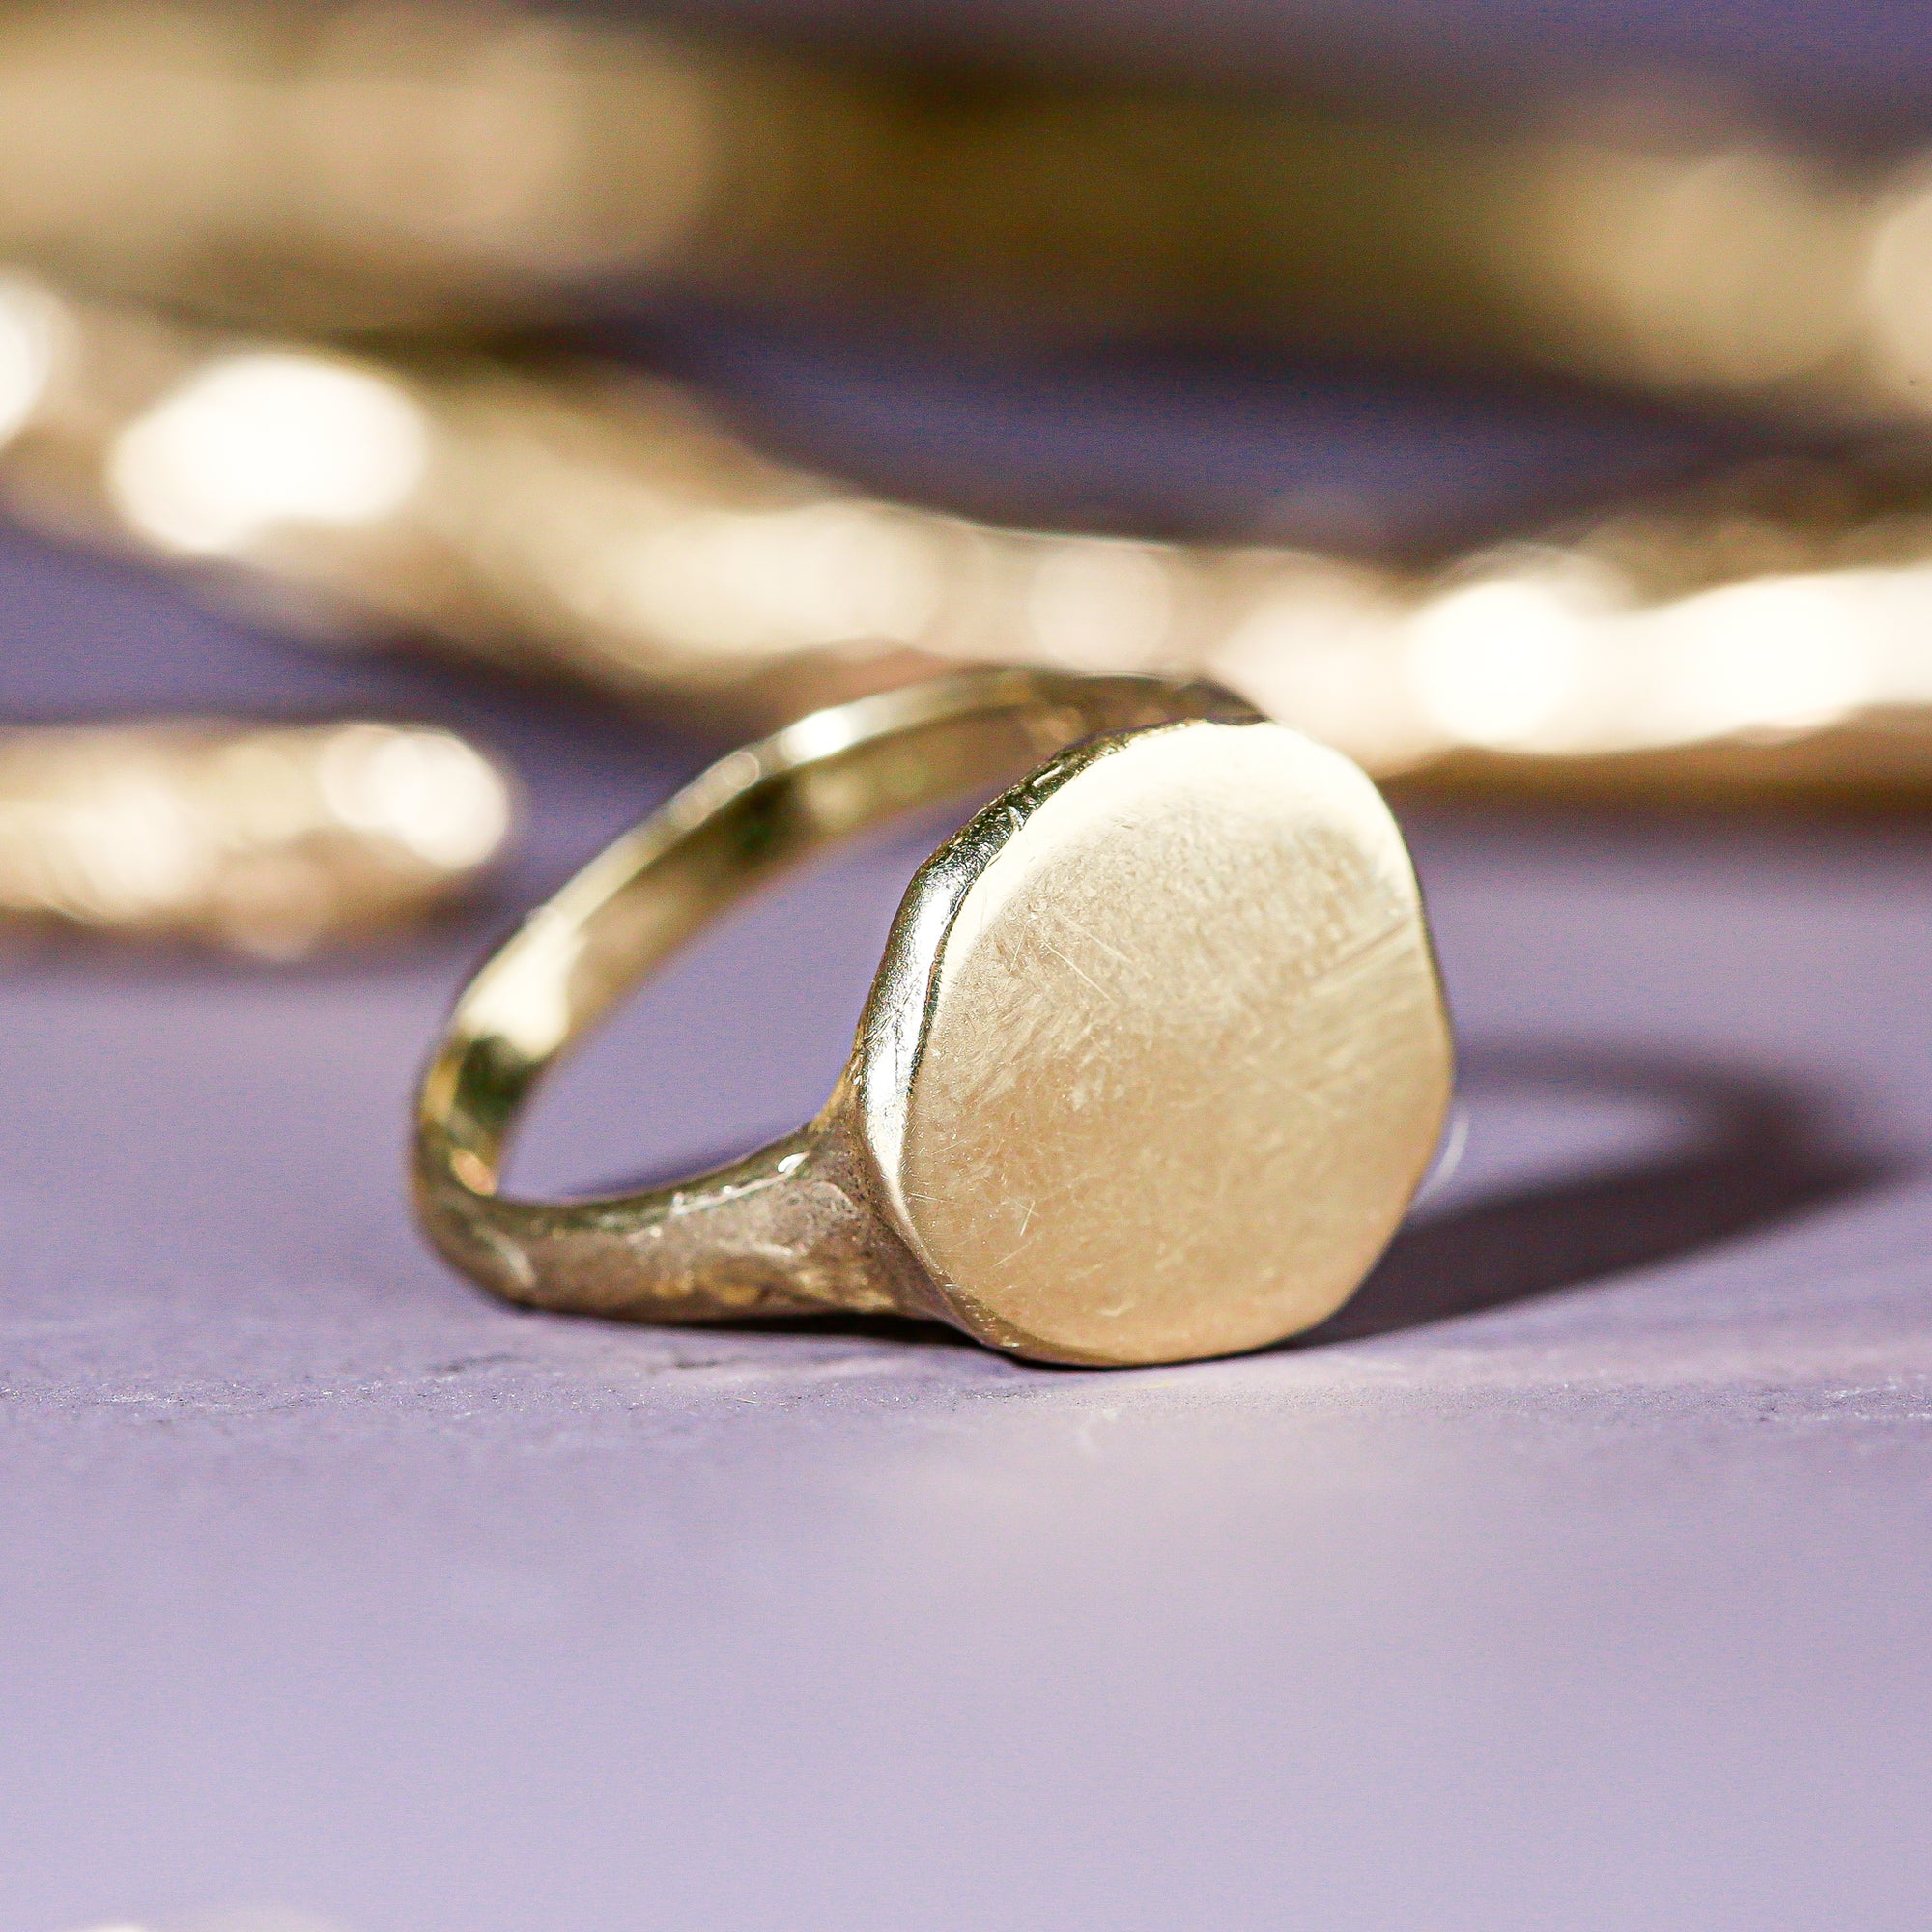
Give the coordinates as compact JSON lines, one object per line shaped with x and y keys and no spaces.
{"x":1579,"y":1577}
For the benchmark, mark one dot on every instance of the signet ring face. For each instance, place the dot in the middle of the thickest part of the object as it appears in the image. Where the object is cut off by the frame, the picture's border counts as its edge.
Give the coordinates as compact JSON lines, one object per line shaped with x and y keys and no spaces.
{"x":1150,"y":1069}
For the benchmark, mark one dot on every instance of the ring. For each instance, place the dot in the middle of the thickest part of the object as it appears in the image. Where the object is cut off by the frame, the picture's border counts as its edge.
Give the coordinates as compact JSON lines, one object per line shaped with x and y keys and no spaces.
{"x":1155,"y":1061}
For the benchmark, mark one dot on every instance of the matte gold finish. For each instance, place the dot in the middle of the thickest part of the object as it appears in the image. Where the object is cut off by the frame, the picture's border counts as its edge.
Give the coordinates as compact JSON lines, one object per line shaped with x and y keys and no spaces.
{"x":1154,"y":1063}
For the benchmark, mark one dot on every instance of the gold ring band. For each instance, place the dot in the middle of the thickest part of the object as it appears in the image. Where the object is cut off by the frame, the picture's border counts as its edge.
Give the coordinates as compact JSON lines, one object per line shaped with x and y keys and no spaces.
{"x":1154,"y":1063}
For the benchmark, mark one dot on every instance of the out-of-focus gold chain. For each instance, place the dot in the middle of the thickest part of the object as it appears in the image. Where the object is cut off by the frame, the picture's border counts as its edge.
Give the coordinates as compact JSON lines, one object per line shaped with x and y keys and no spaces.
{"x":268,"y":841}
{"x":447,"y":166}
{"x":565,"y":518}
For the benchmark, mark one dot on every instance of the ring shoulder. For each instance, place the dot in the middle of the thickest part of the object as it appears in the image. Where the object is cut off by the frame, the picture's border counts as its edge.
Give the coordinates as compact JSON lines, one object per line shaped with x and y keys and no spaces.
{"x":793,"y":1229}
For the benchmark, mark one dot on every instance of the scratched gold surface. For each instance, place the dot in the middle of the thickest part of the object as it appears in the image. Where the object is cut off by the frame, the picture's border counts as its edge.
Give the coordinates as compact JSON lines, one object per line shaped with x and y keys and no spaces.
{"x":1183,"y":1059}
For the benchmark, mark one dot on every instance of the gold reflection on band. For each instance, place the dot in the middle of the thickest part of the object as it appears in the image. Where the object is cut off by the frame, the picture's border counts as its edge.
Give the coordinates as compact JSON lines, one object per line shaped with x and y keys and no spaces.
{"x":266,"y":841}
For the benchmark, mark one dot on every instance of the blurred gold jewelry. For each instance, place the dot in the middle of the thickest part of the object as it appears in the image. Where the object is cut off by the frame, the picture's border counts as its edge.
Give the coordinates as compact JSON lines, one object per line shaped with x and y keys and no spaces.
{"x":1154,"y":1063}
{"x":425,"y":166}
{"x":269,"y":840}
{"x":1768,"y":635}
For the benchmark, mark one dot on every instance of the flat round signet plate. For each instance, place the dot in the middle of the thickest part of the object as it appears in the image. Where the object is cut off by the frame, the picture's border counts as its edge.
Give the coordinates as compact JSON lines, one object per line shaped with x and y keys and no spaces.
{"x":1181,"y":1056}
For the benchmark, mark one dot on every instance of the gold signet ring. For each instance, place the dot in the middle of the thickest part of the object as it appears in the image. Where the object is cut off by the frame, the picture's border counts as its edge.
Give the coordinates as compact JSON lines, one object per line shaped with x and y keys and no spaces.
{"x":1154,"y":1063}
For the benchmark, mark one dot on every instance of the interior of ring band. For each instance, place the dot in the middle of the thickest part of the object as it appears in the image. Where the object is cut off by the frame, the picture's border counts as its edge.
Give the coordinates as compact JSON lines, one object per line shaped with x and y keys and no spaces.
{"x":736,"y":828}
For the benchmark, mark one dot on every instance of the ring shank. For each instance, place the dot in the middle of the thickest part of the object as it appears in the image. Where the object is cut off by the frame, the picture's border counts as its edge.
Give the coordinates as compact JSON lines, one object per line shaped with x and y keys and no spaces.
{"x":791,"y":1228}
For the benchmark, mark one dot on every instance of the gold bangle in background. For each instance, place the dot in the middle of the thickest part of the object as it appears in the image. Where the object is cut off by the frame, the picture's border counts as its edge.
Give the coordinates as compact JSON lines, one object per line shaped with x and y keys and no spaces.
{"x":267,"y":840}
{"x":445,"y":166}
{"x":1155,"y":1058}
{"x":1768,"y":635}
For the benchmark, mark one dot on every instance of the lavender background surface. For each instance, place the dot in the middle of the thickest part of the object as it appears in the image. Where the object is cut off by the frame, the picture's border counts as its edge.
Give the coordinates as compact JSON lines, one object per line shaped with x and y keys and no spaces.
{"x":1577,"y":1577}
